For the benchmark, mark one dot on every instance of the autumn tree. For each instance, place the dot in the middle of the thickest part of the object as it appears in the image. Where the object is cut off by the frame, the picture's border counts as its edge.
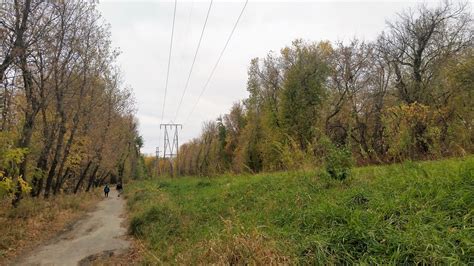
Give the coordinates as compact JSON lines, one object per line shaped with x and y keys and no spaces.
{"x":63,"y":103}
{"x":406,"y":95}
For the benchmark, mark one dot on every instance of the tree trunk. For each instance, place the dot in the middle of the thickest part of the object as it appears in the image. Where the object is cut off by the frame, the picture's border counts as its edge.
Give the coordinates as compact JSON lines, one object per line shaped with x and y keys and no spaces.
{"x":25,"y":139}
{"x":81,"y":178}
{"x":102,"y":179}
{"x":92,"y":178}
{"x":70,"y":140}
{"x":30,"y":115}
{"x":60,"y":181}
{"x":57,"y":156}
{"x":20,"y":28}
{"x":42,"y":163}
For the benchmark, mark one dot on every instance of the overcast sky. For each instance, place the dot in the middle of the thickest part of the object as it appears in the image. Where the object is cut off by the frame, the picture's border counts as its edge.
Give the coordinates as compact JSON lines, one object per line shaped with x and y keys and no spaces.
{"x":142,"y":31}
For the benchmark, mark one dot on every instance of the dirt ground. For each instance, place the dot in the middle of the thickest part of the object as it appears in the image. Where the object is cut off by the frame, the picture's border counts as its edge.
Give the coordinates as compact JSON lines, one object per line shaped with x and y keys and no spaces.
{"x":99,"y":235}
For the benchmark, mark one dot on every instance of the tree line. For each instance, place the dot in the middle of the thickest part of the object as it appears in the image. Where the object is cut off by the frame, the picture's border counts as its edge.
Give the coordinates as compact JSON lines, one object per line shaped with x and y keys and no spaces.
{"x":67,"y":121}
{"x":406,"y":95}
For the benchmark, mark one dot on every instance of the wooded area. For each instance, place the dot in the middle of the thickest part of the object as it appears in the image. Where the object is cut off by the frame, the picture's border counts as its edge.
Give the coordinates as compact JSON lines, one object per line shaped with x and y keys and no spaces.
{"x":67,"y":122}
{"x":406,"y":95}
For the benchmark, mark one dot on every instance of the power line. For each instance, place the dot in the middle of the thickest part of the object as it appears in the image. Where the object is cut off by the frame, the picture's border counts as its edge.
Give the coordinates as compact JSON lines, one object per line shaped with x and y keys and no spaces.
{"x":187,"y":33}
{"x":190,"y":15}
{"x":168,"y":71}
{"x":169,"y":61}
{"x":218,"y":60}
{"x":194,"y":60}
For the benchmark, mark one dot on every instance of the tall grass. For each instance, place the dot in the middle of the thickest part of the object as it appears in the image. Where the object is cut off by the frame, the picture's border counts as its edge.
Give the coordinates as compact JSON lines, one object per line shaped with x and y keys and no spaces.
{"x":406,"y":213}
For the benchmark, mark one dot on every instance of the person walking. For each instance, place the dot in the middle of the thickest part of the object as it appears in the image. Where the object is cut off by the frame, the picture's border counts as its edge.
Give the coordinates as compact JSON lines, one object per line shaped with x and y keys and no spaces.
{"x":119,"y":188}
{"x":106,"y":190}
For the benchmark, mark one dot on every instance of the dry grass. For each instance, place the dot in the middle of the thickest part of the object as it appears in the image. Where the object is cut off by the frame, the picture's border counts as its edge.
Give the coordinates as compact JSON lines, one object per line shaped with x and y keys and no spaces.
{"x":36,"y":220}
{"x":235,"y":248}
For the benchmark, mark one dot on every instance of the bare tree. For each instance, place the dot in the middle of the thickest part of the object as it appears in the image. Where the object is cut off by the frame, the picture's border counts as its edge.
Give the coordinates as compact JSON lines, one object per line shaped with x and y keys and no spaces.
{"x":419,"y":40}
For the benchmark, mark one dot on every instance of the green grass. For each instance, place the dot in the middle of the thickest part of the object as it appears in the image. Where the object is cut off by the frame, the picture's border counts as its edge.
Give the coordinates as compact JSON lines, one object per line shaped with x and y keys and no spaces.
{"x":405,"y":213}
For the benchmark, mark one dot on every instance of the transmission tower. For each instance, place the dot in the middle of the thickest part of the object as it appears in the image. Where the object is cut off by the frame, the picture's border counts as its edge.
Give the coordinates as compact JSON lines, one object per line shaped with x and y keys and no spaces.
{"x":170,"y":149}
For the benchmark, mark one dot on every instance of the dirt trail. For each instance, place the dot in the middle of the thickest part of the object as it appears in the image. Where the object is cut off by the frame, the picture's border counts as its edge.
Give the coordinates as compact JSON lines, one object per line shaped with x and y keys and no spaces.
{"x":100,"y":232}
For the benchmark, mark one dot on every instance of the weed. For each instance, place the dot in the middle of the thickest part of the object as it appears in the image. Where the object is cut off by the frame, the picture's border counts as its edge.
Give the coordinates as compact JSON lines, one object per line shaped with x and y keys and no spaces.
{"x":339,"y":162}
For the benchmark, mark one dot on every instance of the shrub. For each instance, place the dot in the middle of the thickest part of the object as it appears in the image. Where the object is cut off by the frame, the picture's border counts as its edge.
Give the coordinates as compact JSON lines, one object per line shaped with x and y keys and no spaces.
{"x":10,"y":159}
{"x":339,"y":162}
{"x":414,"y":131}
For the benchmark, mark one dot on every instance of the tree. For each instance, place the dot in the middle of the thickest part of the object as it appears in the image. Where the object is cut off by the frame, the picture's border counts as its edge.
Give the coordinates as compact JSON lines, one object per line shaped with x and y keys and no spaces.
{"x":406,"y":95}
{"x":419,"y":41}
{"x":304,"y":91}
{"x":63,"y":104}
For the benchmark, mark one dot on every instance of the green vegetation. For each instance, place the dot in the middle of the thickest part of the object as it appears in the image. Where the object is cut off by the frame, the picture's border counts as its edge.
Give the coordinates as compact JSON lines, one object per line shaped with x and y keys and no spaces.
{"x":338,"y":162}
{"x":401,"y":213}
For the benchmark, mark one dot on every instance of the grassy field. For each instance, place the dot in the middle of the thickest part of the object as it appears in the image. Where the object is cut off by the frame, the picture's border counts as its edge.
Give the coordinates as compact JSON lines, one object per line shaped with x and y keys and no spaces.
{"x":36,"y":220}
{"x":410,"y":212}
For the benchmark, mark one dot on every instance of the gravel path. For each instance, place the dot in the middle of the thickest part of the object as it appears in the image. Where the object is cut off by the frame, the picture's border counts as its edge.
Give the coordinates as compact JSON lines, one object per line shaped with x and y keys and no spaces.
{"x":101,"y":232}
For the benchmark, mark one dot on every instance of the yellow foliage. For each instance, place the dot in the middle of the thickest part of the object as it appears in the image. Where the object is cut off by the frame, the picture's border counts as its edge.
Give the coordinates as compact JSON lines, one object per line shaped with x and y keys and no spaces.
{"x":412,"y":125}
{"x":8,"y":187}
{"x":25,"y":187}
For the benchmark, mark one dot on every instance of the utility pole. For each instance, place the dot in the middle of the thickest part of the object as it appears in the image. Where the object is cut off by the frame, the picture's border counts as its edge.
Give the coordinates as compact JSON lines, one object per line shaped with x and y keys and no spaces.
{"x":170,"y":149}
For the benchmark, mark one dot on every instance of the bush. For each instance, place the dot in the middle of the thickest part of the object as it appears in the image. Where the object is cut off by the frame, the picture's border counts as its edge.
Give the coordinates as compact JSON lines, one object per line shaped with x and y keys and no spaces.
{"x":10,"y":159}
{"x":339,"y":162}
{"x":415,"y":132}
